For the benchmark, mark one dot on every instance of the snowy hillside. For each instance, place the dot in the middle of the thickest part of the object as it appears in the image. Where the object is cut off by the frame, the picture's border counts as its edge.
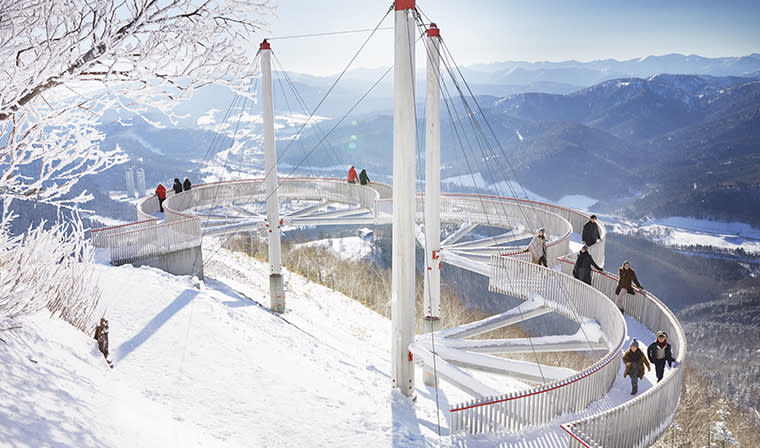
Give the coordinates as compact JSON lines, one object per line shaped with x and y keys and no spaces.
{"x":203,"y":366}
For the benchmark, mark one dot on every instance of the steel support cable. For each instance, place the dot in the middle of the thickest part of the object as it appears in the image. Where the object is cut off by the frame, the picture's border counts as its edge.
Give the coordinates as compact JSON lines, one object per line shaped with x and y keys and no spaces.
{"x":488,"y":124}
{"x":424,"y":241}
{"x":483,"y":114}
{"x":230,"y":108}
{"x":477,"y":130}
{"x":299,"y":99}
{"x":562,"y":285}
{"x":329,"y":90}
{"x":312,"y":114}
{"x":328,"y":33}
{"x":522,"y":316}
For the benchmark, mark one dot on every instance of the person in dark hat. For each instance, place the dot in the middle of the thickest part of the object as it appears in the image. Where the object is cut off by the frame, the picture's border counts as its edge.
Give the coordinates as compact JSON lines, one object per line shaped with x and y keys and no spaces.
{"x":186,"y":185}
{"x":177,"y":186}
{"x":635,"y":360}
{"x":582,"y":269}
{"x":659,"y":352}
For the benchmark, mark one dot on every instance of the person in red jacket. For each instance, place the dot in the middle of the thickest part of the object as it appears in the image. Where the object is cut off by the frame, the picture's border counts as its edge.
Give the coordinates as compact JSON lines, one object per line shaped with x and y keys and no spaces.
{"x":161,"y":193}
{"x":352,"y":177}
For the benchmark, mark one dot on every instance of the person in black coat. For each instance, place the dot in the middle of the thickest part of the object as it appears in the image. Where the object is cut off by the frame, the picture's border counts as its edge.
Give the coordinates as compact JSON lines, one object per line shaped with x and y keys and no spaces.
{"x":177,"y":186}
{"x":186,"y":184}
{"x":591,"y":232}
{"x":659,"y":352}
{"x":363,"y":178}
{"x":582,"y":269}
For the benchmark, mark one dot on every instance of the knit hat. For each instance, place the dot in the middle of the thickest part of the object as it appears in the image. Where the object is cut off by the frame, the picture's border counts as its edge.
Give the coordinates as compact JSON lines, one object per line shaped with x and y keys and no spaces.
{"x":663,"y":334}
{"x":584,"y":247}
{"x":635,"y":343}
{"x":626,"y":262}
{"x":541,"y":229}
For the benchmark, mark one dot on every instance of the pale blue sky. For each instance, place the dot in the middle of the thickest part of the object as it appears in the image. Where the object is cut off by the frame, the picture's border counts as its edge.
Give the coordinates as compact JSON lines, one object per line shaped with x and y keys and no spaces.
{"x":480,"y":31}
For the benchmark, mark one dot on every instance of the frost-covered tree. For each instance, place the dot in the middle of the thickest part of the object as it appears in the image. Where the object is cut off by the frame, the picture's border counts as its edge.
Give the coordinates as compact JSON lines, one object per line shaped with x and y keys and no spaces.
{"x":720,"y":435}
{"x":63,"y":63}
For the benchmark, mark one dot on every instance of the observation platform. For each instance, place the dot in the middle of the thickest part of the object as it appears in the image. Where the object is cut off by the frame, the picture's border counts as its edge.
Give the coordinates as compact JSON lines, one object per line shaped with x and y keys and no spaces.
{"x":559,"y":406}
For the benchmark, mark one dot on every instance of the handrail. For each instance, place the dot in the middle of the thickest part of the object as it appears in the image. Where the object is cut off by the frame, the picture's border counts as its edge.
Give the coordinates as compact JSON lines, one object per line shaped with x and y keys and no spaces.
{"x":655,"y":407}
{"x":540,"y":405}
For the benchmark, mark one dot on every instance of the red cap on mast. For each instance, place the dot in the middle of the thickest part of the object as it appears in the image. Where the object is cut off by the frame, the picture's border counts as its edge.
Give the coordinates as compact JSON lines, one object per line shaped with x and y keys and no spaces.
{"x":264,"y":45}
{"x":433,"y":31}
{"x":404,"y":4}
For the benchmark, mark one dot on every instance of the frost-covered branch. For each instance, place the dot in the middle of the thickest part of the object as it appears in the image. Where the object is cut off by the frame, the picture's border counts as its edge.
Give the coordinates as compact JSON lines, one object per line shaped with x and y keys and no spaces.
{"x":50,"y":269}
{"x":63,"y":64}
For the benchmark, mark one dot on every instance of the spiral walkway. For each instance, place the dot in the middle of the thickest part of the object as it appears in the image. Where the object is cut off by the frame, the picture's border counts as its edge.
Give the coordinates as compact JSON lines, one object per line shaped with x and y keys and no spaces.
{"x":558,"y":405}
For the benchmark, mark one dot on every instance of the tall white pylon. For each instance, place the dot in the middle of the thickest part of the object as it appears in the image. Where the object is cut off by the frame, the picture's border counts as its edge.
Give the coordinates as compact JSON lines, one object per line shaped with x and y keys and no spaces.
{"x":404,"y":138}
{"x":432,"y":303}
{"x":276,"y":292}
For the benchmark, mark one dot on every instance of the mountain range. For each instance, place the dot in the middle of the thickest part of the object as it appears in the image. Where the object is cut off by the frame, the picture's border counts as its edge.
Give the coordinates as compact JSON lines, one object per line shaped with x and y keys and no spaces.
{"x":653,"y":144}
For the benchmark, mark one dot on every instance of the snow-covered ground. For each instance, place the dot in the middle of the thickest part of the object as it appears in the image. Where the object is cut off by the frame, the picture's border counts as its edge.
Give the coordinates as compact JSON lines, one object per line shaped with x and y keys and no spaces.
{"x":206,"y":365}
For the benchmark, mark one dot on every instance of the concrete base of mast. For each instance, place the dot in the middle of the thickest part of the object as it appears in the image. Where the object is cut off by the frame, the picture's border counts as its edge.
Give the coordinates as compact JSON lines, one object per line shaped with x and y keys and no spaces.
{"x":276,"y":293}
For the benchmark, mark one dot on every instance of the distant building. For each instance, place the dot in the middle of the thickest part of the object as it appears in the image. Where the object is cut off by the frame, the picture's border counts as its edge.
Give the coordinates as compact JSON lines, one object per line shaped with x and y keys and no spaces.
{"x":141,"y":191}
{"x":130,"y":183}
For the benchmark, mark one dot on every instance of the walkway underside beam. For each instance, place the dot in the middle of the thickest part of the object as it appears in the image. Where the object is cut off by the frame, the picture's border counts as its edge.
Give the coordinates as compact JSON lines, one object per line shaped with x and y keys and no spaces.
{"x":525,"y":345}
{"x":312,"y":208}
{"x":479,"y":252}
{"x":239,"y":211}
{"x":340,"y":213}
{"x":525,"y":311}
{"x":463,"y":230}
{"x":507,"y":237}
{"x":523,"y":370}
{"x":316,"y":221}
{"x":460,"y":261}
{"x":451,"y":373}
{"x":232,"y":228}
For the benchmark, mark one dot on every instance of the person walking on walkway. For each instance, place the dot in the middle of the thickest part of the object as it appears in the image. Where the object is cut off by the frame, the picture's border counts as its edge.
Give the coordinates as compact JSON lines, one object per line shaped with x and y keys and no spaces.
{"x":352,"y":177}
{"x":537,"y":248}
{"x":626,"y":276}
{"x":186,"y":184}
{"x":591,"y":233}
{"x":582,"y":269}
{"x":363,"y":178}
{"x":635,"y":361}
{"x":161,"y":193}
{"x":660,"y":352}
{"x":177,"y":186}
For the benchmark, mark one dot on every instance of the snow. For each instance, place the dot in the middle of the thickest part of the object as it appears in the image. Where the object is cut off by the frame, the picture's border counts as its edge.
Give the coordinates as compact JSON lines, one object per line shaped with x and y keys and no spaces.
{"x":208,"y":365}
{"x":684,"y":232}
{"x":352,"y":248}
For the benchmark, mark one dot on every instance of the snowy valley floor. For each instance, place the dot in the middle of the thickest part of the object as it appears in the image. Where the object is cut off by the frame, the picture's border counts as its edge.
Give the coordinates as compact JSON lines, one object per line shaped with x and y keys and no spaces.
{"x":204,"y":365}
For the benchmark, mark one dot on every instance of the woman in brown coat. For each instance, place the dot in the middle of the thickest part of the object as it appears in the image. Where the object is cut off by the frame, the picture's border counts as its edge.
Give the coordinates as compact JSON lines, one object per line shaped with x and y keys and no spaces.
{"x":626,"y":276}
{"x":635,"y":360}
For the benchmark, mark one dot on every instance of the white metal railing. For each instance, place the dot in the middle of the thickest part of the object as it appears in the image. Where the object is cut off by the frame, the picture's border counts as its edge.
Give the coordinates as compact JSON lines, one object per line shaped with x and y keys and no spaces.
{"x":253,"y":190}
{"x":154,"y":240}
{"x":654,"y":409}
{"x":100,"y":236}
{"x":538,"y":406}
